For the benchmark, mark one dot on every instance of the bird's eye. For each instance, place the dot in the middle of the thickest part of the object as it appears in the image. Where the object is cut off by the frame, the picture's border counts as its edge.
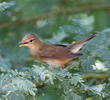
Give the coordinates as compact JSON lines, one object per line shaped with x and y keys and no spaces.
{"x":30,"y":40}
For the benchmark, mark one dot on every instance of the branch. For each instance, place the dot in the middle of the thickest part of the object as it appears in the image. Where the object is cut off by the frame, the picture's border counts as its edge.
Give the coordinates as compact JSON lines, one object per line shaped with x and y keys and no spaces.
{"x":55,"y":13}
{"x":99,"y":76}
{"x":86,"y":76}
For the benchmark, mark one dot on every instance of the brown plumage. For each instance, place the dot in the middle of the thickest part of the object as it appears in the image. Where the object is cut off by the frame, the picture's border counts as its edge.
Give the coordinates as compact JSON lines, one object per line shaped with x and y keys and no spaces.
{"x":55,"y":55}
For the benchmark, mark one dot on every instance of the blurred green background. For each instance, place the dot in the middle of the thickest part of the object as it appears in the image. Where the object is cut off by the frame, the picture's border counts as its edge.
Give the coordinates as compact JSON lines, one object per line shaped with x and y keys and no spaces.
{"x":49,"y":20}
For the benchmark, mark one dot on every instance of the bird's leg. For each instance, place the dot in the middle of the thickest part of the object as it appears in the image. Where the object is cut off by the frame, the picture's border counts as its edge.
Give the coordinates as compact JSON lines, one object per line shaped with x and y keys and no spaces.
{"x":62,"y":66}
{"x":68,"y":64}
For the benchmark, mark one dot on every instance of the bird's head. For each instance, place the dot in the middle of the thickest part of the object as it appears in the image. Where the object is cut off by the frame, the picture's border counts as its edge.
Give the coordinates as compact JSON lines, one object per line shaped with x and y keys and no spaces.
{"x":29,"y":40}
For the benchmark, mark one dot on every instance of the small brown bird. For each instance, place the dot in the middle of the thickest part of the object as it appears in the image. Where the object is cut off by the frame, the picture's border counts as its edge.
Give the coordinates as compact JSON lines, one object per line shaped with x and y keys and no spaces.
{"x":55,"y":55}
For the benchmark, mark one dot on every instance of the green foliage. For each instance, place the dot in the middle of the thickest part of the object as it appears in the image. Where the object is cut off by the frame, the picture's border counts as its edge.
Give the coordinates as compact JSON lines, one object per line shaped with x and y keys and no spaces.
{"x":5,"y":5}
{"x":55,"y":21}
{"x":17,"y":85}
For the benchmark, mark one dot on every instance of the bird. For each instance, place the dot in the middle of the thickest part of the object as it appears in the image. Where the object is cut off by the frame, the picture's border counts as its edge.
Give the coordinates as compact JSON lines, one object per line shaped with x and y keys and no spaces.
{"x":55,"y":55}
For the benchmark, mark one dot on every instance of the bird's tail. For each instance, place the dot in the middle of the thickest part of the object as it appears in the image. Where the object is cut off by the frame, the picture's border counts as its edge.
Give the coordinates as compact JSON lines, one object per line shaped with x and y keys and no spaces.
{"x":75,"y":47}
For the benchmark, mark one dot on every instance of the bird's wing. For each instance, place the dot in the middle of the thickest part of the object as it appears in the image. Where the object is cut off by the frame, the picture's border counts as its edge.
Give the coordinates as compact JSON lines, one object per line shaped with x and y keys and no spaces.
{"x":61,"y":45}
{"x":57,"y":52}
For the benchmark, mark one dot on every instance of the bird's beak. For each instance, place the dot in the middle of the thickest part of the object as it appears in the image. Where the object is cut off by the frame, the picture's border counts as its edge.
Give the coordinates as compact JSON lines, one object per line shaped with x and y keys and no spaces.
{"x":22,"y":43}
